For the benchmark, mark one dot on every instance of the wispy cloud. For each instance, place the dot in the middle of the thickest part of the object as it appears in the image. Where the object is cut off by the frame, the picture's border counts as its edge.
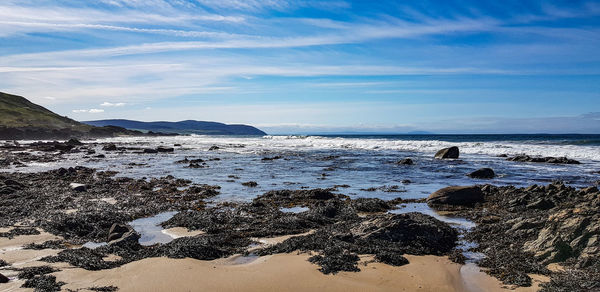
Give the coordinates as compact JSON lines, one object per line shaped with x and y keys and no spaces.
{"x":91,"y":111}
{"x":109,"y":104}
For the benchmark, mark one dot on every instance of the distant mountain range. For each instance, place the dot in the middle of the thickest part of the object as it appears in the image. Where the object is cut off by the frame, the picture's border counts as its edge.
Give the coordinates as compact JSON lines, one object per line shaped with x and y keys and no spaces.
{"x":182,"y":127}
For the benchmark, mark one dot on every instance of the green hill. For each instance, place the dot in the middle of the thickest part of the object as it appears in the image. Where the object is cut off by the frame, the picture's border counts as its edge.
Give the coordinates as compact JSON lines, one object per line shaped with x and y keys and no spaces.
{"x":22,"y":119}
{"x":18,"y":112}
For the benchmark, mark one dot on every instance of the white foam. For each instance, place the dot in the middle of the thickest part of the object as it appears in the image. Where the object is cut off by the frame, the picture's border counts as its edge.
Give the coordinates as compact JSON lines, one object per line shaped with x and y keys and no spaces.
{"x":299,"y":143}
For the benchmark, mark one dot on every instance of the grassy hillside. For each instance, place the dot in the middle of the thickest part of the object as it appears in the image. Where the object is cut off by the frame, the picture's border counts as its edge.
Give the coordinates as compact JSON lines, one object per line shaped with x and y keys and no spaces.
{"x":18,"y":112}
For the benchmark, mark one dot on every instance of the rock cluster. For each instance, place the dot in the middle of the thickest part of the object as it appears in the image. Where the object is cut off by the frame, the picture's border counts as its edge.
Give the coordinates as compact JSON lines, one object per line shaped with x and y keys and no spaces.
{"x":555,"y":160}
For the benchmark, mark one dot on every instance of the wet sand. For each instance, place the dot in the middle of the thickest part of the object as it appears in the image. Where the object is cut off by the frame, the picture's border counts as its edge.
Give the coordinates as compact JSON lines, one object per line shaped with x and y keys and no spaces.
{"x":281,"y":272}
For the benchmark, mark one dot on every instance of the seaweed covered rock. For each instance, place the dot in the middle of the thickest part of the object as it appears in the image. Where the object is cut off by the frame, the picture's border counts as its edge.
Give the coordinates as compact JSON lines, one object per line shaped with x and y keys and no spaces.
{"x":371,"y":205}
{"x":456,"y":195}
{"x":554,"y":160}
{"x":385,"y":236}
{"x":416,"y":232}
{"x":297,"y":197}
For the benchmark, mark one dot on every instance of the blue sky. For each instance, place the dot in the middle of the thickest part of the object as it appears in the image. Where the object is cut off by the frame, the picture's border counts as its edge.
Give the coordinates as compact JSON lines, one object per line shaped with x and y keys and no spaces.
{"x":451,"y":66}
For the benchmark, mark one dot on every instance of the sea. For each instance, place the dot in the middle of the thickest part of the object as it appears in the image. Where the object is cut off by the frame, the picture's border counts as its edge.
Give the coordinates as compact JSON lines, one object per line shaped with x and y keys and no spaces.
{"x":357,"y":165}
{"x":354,"y":165}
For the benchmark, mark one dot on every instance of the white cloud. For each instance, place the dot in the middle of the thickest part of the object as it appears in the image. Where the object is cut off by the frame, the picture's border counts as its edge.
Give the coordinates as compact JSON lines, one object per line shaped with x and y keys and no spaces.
{"x":109,"y":104}
{"x":91,"y":111}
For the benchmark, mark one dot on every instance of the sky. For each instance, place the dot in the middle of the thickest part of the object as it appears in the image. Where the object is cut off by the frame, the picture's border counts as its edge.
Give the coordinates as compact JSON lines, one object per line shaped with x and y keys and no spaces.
{"x":448,"y":66}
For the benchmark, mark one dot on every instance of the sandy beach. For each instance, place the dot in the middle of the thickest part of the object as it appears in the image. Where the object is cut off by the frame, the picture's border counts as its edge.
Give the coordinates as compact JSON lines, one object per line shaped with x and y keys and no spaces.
{"x":281,"y":272}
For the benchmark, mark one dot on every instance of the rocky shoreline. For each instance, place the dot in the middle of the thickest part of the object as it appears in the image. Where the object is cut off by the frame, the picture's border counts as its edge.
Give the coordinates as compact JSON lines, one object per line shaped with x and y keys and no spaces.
{"x":519,"y":230}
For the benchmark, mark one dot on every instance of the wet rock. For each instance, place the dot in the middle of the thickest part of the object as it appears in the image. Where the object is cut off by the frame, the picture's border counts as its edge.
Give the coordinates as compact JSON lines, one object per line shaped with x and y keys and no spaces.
{"x":150,"y":151}
{"x":297,"y":197}
{"x":78,"y":187}
{"x":3,"y":279}
{"x":456,"y":195}
{"x":100,"y":156}
{"x":213,"y":148}
{"x":163,"y":149}
{"x":386,"y":236}
{"x":251,"y":184}
{"x":110,"y":147}
{"x":450,"y":152}
{"x":482,"y":173}
{"x":406,"y":161}
{"x":271,"y":158}
{"x":424,"y":233}
{"x":555,"y":160}
{"x":119,"y":233}
{"x":370,"y":205}
{"x":74,"y":142}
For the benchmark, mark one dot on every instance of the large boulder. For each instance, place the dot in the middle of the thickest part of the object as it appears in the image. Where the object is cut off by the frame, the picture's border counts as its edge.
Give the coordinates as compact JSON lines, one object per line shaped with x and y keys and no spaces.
{"x":3,"y":279}
{"x":450,"y":152}
{"x":455,"y":195}
{"x":483,"y":173}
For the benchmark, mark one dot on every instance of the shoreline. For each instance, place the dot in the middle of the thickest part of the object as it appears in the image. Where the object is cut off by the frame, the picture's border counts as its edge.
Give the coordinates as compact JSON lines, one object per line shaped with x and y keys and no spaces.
{"x":279,"y":272}
{"x":322,"y":235}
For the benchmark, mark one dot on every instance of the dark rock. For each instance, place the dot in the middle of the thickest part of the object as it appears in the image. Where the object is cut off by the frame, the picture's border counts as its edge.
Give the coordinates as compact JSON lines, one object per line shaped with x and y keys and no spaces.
{"x":455,"y":195}
{"x":165,"y":149}
{"x":296,"y":197}
{"x":110,"y":147}
{"x":119,"y":233}
{"x":406,"y":161}
{"x":100,"y":156}
{"x":78,"y":187}
{"x":271,"y":158}
{"x":370,"y":205}
{"x":74,"y":142}
{"x":451,"y":152}
{"x":214,"y":147}
{"x":542,"y":204}
{"x":482,"y":173}
{"x":3,"y":279}
{"x":554,"y":160}
{"x":250,"y":184}
{"x":150,"y":151}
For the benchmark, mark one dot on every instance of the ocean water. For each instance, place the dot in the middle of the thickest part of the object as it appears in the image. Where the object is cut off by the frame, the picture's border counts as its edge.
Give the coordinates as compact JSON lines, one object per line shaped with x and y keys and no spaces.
{"x":365,"y":166}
